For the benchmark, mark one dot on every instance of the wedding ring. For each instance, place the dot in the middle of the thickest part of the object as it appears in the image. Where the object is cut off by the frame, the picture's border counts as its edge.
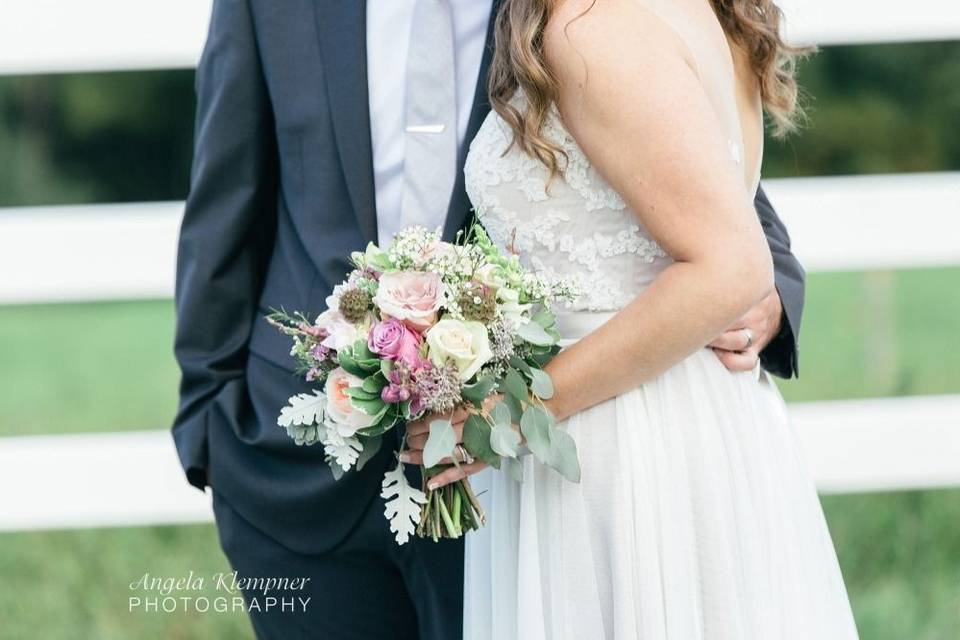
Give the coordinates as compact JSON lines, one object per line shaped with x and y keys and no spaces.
{"x":749,"y":336}
{"x":463,"y":454}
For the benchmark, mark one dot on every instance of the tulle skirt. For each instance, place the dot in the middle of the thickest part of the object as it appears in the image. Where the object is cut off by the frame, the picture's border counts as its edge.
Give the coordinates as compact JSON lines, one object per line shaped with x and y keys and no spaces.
{"x":696,"y":518}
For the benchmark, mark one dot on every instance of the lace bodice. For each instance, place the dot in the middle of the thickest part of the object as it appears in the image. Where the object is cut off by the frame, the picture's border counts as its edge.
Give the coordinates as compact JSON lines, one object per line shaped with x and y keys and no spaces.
{"x":577,"y":226}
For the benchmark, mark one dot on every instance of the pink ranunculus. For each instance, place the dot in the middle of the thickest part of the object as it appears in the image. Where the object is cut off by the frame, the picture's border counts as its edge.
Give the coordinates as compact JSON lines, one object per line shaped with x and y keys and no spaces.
{"x":393,"y":340}
{"x":413,"y":297}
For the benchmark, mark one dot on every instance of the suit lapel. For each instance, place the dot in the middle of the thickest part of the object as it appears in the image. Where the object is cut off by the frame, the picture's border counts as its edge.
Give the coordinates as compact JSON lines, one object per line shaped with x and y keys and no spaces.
{"x":342,"y":27}
{"x":459,"y":211}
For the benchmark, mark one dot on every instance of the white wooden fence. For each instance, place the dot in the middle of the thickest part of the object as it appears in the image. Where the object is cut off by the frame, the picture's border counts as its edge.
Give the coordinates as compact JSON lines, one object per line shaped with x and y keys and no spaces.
{"x":127,"y":251}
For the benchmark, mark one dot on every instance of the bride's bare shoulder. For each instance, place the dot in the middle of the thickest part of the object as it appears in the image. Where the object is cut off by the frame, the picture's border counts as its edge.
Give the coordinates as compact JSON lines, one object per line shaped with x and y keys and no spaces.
{"x":583,"y":34}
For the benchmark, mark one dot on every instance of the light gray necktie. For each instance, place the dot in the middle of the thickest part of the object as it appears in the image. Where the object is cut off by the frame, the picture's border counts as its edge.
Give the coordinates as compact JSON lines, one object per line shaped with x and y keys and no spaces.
{"x":430,"y":153}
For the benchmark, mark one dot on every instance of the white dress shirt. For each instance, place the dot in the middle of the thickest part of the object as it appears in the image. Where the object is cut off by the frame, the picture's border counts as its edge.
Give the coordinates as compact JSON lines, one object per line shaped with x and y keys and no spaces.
{"x":388,"y":36}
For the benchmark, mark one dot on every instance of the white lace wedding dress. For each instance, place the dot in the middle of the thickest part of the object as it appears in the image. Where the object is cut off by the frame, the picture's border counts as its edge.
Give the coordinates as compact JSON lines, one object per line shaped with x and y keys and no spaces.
{"x":696,"y":517}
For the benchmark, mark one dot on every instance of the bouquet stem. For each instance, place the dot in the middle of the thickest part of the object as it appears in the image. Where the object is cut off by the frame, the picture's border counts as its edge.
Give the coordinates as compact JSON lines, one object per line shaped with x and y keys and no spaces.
{"x":450,"y":511}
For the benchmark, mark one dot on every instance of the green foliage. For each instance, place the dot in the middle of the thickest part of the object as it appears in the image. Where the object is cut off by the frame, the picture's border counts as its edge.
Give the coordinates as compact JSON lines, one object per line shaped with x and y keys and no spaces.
{"x":63,"y":585}
{"x":875,"y":109}
{"x":476,"y":439}
{"x":95,"y":137}
{"x":440,"y":443}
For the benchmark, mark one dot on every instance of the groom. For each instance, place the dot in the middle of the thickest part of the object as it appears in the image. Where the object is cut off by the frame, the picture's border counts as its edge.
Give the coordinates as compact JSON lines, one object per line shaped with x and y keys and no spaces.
{"x":305,"y":151}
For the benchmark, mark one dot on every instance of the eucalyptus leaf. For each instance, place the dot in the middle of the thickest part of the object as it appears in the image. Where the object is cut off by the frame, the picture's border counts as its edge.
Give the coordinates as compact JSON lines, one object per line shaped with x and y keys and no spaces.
{"x":515,"y":407}
{"x":370,"y":448}
{"x":335,"y":469}
{"x":541,"y":384}
{"x":535,"y":334}
{"x":514,"y":468}
{"x":440,"y":443}
{"x":545,"y":318}
{"x":478,"y":391}
{"x":504,"y":441}
{"x":515,"y":385}
{"x":476,"y":438}
{"x":564,"y":455}
{"x":535,"y":425}
{"x":519,"y":365}
{"x":500,"y":414}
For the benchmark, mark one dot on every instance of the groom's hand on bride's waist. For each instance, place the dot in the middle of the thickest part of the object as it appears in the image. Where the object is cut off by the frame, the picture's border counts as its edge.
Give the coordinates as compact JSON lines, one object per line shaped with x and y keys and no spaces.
{"x":739,"y":347}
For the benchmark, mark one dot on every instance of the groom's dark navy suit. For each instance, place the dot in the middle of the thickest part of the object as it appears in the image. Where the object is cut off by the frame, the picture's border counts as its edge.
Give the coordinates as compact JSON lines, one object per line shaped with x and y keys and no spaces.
{"x":282,"y":191}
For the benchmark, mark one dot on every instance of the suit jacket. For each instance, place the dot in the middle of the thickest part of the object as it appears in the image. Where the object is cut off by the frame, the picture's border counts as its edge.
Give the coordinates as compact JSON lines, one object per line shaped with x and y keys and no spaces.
{"x":281,"y":192}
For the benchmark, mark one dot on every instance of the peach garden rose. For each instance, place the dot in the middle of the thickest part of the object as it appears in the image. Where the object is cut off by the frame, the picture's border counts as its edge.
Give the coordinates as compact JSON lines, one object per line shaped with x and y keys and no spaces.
{"x":340,"y":410}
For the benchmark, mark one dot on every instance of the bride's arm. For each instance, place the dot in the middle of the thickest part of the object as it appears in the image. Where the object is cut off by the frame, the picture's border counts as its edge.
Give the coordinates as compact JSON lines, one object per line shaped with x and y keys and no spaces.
{"x":630,"y":97}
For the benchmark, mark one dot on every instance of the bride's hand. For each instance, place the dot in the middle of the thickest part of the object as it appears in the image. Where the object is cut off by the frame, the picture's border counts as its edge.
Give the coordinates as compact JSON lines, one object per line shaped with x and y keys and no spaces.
{"x":417,"y":433}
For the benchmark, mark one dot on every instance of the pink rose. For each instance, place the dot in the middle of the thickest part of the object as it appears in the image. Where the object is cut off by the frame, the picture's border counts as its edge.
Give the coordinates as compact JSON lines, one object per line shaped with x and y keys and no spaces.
{"x":393,"y":340}
{"x":413,"y":297}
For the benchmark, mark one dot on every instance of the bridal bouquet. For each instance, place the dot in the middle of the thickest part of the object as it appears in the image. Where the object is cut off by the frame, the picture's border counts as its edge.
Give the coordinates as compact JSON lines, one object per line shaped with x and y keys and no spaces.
{"x":429,"y":327}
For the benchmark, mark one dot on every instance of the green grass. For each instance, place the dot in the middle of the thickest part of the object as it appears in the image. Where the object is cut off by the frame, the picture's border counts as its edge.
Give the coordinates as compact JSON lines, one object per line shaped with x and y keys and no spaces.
{"x":900,"y":555}
{"x":76,"y":584}
{"x":109,"y":366}
{"x":879,"y":334}
{"x":87,"y":367}
{"x":899,"y":552}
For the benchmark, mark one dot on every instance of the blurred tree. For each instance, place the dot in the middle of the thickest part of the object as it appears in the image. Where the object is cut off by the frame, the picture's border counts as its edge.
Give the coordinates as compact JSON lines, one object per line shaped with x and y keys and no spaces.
{"x":875,"y":109}
{"x":126,"y":136}
{"x":95,"y":137}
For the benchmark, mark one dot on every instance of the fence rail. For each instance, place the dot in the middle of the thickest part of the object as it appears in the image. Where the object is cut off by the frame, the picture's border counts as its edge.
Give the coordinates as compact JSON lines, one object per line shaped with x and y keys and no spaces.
{"x":121,"y":479}
{"x":124,"y":251}
{"x":128,"y":251}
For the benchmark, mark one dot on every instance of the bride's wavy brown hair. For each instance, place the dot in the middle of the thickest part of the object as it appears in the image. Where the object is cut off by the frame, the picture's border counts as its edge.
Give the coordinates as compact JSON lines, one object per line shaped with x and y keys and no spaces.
{"x":519,"y":63}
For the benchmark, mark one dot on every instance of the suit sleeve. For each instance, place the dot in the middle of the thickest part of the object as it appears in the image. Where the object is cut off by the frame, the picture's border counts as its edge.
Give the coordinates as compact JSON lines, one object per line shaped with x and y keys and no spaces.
{"x":780,"y":356}
{"x":227,"y":230}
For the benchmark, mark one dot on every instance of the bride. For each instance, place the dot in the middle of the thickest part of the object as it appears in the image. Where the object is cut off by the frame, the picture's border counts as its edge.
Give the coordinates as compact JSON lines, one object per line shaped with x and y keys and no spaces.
{"x":625,"y":147}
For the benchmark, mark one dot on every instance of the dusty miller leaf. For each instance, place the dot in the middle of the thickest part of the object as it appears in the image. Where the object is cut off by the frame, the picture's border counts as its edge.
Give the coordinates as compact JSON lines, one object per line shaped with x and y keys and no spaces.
{"x":403,"y":504}
{"x":303,"y":409}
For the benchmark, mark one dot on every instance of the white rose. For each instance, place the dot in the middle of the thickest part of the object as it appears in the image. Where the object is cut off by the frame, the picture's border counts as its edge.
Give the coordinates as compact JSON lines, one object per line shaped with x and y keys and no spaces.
{"x":510,"y":306}
{"x":340,"y":332}
{"x":340,"y":410}
{"x":465,"y":343}
{"x":492,"y":275}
